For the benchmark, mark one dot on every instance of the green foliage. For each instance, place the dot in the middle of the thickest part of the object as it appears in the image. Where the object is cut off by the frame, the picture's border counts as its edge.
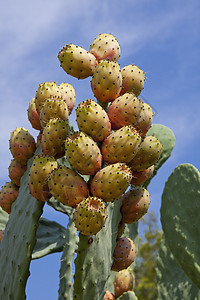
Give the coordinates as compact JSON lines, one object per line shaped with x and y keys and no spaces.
{"x":148,"y":246}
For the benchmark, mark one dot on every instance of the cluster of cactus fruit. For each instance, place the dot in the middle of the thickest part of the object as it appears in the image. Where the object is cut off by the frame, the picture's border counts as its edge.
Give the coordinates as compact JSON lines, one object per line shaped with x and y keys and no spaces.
{"x":107,"y":163}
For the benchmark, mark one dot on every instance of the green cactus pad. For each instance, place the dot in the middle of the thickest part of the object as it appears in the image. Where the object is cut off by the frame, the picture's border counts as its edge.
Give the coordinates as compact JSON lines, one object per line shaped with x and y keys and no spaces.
{"x":179,"y":217}
{"x":128,"y":296}
{"x":18,"y":242}
{"x":172,"y":282}
{"x":50,"y":238}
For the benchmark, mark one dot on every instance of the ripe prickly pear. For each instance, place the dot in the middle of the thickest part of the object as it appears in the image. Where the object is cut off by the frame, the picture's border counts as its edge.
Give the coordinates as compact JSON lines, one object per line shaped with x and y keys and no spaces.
{"x":33,"y":115}
{"x":90,"y":216}
{"x":76,"y":61}
{"x":148,"y":154}
{"x":109,"y":296}
{"x":83,"y":153}
{"x":68,"y":95}
{"x":124,"y":254}
{"x":135,"y":204}
{"x":45,"y":90}
{"x":67,"y":186}
{"x":53,"y":108}
{"x":105,"y":46}
{"x":141,"y":177}
{"x":15,"y":171}
{"x":93,"y":120}
{"x":121,"y":146}
{"x":54,"y":136}
{"x":124,"y":281}
{"x":145,"y":120}
{"x":106,"y":81}
{"x":111,"y":182}
{"x":132,"y":80}
{"x":8,"y":194}
{"x":124,"y":110}
{"x":40,"y":170}
{"x":22,"y":145}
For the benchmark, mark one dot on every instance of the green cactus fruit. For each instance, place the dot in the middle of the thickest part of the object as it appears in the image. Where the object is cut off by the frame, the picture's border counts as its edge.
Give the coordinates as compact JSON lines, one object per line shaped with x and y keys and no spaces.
{"x":76,"y":61}
{"x":121,"y":146}
{"x":90,"y":216}
{"x":15,"y":171}
{"x":33,"y":115}
{"x":40,"y":170}
{"x":68,"y":95}
{"x":141,"y":177}
{"x":124,"y":110}
{"x":124,"y":281}
{"x":106,"y":81}
{"x":83,"y":153}
{"x":135,"y":204}
{"x":54,"y":136}
{"x":93,"y":120}
{"x":124,"y":254}
{"x":105,"y":46}
{"x":45,"y":90}
{"x":109,"y":296}
{"x":22,"y":145}
{"x":121,"y":228}
{"x":132,"y":80}
{"x":8,"y":194}
{"x":53,"y":108}
{"x":148,"y":154}
{"x":1,"y":234}
{"x":111,"y":182}
{"x":67,"y":186}
{"x":145,"y":120}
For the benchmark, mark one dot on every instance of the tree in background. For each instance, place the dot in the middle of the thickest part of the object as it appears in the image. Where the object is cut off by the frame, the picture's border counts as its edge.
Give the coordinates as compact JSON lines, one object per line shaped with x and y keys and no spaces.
{"x":148,"y":246}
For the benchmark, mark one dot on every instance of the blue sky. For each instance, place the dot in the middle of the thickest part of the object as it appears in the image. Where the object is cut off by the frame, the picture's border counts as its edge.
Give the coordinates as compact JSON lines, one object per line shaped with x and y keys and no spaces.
{"x":160,"y":37}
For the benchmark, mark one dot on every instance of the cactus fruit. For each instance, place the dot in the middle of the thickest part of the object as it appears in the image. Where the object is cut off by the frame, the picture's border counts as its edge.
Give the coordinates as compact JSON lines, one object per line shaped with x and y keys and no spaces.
{"x":121,"y":229}
{"x":105,"y":46}
{"x":135,"y":204}
{"x":8,"y":194}
{"x":45,"y":90}
{"x":40,"y":170}
{"x":111,"y":182}
{"x":53,"y":108}
{"x":141,"y":177}
{"x":67,"y":186}
{"x":145,"y":120}
{"x":22,"y":145}
{"x":132,"y":80}
{"x":124,"y":254}
{"x":83,"y":153}
{"x":106,"y":81}
{"x":148,"y":154}
{"x":15,"y":171}
{"x":68,"y":95}
{"x":90,"y":216}
{"x":124,"y":281}
{"x":1,"y":234}
{"x":33,"y":115}
{"x":54,"y":136}
{"x":38,"y":139}
{"x":109,"y":296}
{"x":121,"y":146}
{"x":124,"y":110}
{"x":76,"y":61}
{"x":93,"y":120}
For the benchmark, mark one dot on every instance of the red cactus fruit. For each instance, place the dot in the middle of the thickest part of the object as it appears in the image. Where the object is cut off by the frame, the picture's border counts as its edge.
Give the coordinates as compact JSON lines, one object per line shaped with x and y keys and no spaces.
{"x":8,"y":194}
{"x":121,"y":228}
{"x":132,"y":80}
{"x":76,"y":61}
{"x":109,"y":296}
{"x":124,"y":254}
{"x":33,"y":115}
{"x":22,"y":145}
{"x":105,"y":46}
{"x":67,"y":186}
{"x":90,"y":216}
{"x":16,"y":171}
{"x":140,"y":177}
{"x":135,"y":204}
{"x":111,"y":182}
{"x":124,"y":281}
{"x":93,"y":120}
